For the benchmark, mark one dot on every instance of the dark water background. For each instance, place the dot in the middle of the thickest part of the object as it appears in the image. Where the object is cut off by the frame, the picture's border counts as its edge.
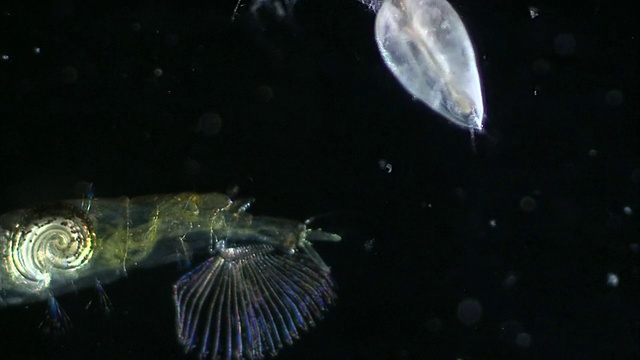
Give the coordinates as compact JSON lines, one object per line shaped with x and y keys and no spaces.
{"x":527,"y":246}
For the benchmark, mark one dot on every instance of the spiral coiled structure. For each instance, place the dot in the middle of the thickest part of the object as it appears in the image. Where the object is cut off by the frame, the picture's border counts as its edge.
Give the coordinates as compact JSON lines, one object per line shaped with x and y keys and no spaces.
{"x":49,"y":244}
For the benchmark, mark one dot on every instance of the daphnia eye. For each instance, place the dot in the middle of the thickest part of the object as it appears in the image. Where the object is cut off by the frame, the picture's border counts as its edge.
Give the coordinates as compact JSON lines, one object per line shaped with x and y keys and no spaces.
{"x":426,"y":46}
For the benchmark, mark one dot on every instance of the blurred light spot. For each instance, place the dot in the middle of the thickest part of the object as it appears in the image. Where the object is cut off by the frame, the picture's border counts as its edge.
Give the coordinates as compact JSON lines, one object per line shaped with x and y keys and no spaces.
{"x":541,"y":66}
{"x":264,"y":93}
{"x":528,"y":204}
{"x":434,"y":325}
{"x":523,"y":340}
{"x":233,"y":191}
{"x":614,"y":97}
{"x":172,"y":40}
{"x":593,"y":152}
{"x":68,"y":75}
{"x":469,"y":311}
{"x":36,"y":50}
{"x":509,"y":331}
{"x":627,"y":210}
{"x":493,"y":223}
{"x":209,"y":124}
{"x":564,"y":44}
{"x":368,"y":245}
{"x":612,"y":280}
{"x":635,"y":176}
{"x":510,"y":280}
{"x":384,"y":165}
{"x":534,"y":12}
{"x":192,"y":167}
{"x":157,"y":72}
{"x":425,"y":205}
{"x":5,"y":57}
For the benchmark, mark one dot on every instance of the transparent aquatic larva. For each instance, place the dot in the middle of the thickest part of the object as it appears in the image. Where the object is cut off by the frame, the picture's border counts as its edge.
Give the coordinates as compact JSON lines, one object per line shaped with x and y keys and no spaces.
{"x":426,"y":46}
{"x":262,"y":285}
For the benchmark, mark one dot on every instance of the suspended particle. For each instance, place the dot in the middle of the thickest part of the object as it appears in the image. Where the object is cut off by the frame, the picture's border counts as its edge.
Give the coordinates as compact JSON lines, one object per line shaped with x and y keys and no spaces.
{"x":384,"y":165}
{"x":612,"y":280}
{"x":157,"y":72}
{"x":627,"y":211}
{"x":534,"y":12}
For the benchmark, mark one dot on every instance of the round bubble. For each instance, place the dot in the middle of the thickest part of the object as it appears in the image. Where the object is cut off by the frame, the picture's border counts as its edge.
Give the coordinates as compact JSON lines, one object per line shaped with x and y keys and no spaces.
{"x":469,"y":311}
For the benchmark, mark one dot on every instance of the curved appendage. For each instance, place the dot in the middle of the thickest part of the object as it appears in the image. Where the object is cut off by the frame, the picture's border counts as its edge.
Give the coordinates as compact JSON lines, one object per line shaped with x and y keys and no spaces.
{"x":249,"y":302}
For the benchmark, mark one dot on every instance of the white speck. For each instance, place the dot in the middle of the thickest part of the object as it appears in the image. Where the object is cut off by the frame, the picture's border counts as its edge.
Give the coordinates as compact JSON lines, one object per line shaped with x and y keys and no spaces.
{"x":36,"y":50}
{"x":612,"y":280}
{"x":492,"y":223}
{"x":5,"y":57}
{"x":534,"y":12}
{"x":628,"y":211}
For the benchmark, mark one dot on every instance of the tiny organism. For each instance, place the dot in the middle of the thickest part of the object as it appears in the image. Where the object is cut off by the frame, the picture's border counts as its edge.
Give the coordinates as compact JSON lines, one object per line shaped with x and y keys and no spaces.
{"x":262,"y":285}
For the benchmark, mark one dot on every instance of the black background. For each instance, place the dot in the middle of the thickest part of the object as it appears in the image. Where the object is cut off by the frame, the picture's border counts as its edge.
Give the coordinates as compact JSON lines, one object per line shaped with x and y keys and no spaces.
{"x":310,"y":118}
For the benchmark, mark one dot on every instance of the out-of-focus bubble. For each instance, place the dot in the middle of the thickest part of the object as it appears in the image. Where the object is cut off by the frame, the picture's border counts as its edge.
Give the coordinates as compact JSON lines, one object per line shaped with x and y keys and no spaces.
{"x":509,"y":331}
{"x":434,"y":325}
{"x":627,"y":210}
{"x":264,"y":93}
{"x":4,"y":57}
{"x":469,"y":311}
{"x":523,"y":339}
{"x":614,"y":97}
{"x":528,"y":204}
{"x":635,"y":176}
{"x":612,"y":280}
{"x":564,"y":44}
{"x":510,"y":280}
{"x":192,"y":167}
{"x":233,"y":191}
{"x":593,"y":152}
{"x":209,"y":124}
{"x":67,"y":75}
{"x":541,"y":66}
{"x":157,"y":72}
{"x":36,"y":50}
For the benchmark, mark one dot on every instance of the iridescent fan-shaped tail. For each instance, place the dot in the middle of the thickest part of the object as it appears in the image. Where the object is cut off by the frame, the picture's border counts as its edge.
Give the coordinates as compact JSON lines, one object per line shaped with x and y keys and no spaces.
{"x":249,"y":300}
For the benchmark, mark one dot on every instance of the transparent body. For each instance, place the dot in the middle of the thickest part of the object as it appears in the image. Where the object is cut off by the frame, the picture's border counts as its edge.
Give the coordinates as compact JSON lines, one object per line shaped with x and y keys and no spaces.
{"x":426,"y":46}
{"x":266,"y":265}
